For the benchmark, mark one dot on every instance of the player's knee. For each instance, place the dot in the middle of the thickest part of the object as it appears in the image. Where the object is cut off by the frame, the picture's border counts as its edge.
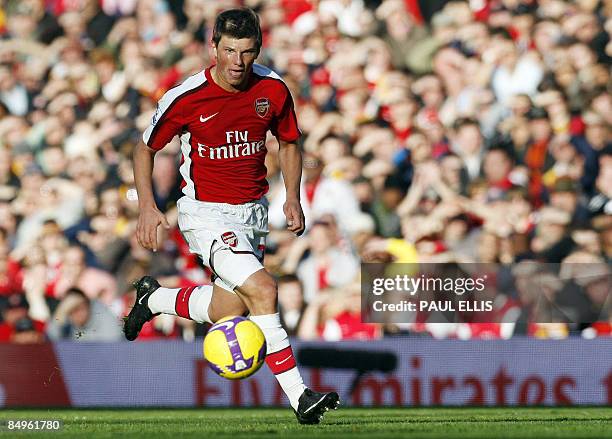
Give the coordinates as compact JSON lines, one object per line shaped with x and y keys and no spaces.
{"x":268,"y":290}
{"x":263,"y":289}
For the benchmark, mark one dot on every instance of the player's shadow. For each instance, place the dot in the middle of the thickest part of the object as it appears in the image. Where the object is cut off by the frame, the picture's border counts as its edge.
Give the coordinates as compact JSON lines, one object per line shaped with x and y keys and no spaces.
{"x":360,"y":361}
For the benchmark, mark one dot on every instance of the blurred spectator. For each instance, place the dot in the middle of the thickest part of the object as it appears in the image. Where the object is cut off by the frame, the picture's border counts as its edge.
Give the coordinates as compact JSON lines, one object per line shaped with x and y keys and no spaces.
{"x":16,"y":326}
{"x":384,"y":208}
{"x":336,"y":315}
{"x":603,"y":226}
{"x":326,"y":264}
{"x":82,"y":319}
{"x":600,"y":202}
{"x":291,"y":302}
{"x":565,"y":195}
{"x":468,"y":144}
{"x":25,"y":332}
{"x":73,"y":273}
{"x":320,"y":194}
{"x":536,"y":156}
{"x":11,"y":275}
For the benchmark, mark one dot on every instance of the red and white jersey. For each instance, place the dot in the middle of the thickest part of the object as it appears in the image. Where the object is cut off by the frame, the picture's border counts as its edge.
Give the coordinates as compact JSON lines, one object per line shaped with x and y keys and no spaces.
{"x":223,"y":134}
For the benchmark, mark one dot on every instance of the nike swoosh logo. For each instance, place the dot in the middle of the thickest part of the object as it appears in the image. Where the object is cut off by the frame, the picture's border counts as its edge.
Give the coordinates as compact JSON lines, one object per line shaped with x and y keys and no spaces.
{"x":204,"y":119}
{"x":278,"y":363}
{"x":142,"y":298}
{"x":315,"y":404}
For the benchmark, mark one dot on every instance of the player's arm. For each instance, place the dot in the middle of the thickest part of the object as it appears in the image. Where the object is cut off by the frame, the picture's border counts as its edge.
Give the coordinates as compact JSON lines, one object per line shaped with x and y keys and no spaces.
{"x":166,"y":123}
{"x":149,"y":216}
{"x":290,"y":161}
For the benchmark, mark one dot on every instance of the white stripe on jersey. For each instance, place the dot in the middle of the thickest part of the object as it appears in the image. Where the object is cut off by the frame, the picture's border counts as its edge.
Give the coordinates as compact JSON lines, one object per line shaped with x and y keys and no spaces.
{"x":185,"y":168}
{"x":169,"y":97}
{"x":260,"y":70}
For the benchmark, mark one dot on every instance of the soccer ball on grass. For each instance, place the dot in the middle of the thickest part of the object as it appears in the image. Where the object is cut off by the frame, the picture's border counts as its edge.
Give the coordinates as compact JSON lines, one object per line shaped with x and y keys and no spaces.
{"x":235,"y":347}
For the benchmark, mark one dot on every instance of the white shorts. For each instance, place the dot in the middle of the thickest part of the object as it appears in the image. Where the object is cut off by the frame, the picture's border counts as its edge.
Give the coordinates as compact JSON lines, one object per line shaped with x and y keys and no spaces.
{"x":229,"y":238}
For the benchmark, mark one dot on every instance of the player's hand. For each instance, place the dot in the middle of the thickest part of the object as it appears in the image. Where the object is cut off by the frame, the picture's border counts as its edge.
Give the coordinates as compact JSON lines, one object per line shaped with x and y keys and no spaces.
{"x":295,"y":216}
{"x":146,"y":231}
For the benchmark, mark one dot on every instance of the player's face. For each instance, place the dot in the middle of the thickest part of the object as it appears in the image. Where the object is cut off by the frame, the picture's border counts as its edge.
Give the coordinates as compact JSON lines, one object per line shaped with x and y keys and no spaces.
{"x":235,"y":58}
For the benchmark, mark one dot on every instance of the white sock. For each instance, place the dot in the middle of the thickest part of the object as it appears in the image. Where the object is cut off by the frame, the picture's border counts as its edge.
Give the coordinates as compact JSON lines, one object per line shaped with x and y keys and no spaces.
{"x":163,"y":300}
{"x":199,"y":303}
{"x":280,"y":358}
{"x":191,"y":303}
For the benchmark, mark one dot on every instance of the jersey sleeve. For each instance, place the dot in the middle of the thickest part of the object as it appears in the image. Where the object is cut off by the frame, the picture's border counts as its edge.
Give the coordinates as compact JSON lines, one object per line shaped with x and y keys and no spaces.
{"x":286,"y":126}
{"x":165,"y":124}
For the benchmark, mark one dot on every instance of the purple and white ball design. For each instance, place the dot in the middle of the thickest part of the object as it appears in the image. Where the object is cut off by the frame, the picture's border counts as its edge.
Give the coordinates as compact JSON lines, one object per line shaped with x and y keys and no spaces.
{"x":235,"y":347}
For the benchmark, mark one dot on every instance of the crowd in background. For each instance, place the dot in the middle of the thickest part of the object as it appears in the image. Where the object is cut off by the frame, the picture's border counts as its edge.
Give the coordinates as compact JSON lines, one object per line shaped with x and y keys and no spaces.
{"x":433,"y":131}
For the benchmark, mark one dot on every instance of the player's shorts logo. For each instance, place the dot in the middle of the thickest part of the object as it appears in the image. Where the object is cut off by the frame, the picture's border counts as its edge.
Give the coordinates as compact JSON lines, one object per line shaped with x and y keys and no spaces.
{"x":230,"y":239}
{"x":262,"y":105}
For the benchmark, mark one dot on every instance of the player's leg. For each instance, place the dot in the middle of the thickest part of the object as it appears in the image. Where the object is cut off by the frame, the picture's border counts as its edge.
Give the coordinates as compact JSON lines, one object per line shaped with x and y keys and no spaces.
{"x":194,"y":303}
{"x":240,"y":267}
{"x":203,"y":304}
{"x":260,"y":294}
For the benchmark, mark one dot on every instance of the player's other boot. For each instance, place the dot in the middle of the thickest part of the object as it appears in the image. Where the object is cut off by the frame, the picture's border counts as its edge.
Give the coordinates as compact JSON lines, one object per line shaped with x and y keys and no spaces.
{"x":313,"y":405}
{"x":140,"y":313}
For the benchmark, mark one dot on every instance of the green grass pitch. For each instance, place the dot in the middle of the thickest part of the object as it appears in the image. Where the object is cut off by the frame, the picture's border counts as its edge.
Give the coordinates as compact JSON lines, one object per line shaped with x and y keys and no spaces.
{"x":461,"y":423}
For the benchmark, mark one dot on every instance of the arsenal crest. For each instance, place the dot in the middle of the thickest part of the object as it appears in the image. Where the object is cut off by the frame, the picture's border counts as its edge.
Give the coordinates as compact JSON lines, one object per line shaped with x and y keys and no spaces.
{"x":230,"y":239}
{"x":262,"y":105}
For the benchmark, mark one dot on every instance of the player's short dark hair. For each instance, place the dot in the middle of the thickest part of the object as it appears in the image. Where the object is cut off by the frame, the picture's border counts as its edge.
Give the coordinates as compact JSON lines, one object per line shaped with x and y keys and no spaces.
{"x":237,"y":23}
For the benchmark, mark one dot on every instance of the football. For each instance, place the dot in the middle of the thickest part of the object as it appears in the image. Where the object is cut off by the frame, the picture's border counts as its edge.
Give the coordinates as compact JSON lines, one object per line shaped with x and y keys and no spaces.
{"x":235,"y":347}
